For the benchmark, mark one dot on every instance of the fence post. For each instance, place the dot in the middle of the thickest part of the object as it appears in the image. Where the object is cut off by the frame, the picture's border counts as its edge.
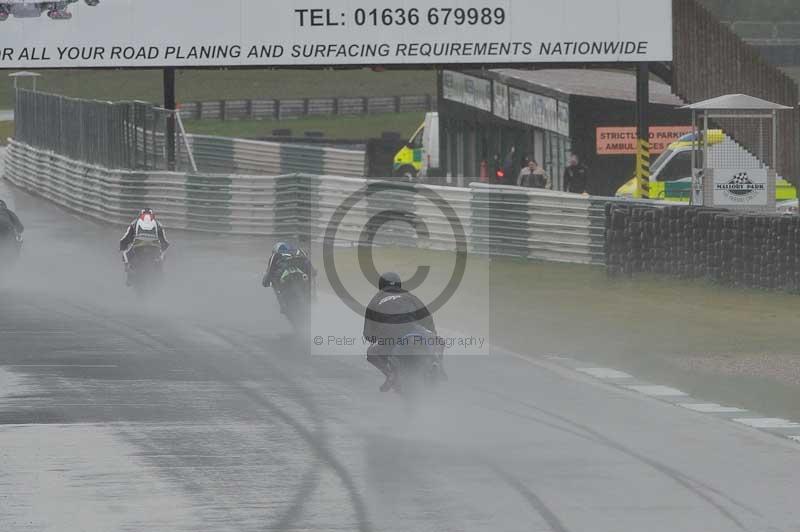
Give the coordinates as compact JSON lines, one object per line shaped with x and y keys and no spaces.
{"x":199,"y":111}
{"x":397,"y":104}
{"x":276,"y":109}
{"x":305,"y":106}
{"x":171,"y":105}
{"x":223,"y":110}
{"x":365,"y":105}
{"x":336,"y":105}
{"x":250,"y":109}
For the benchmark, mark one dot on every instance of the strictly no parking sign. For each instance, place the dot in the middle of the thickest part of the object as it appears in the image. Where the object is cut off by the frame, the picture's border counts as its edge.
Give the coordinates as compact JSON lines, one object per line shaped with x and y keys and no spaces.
{"x":151,"y":33}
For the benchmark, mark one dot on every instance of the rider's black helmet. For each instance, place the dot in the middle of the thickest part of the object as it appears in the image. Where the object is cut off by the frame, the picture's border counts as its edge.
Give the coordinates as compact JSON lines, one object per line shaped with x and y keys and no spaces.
{"x":389,"y":280}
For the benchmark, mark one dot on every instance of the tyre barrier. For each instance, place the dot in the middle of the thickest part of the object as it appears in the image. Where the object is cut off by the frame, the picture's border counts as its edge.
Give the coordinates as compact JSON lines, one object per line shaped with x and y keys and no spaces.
{"x":735,"y":249}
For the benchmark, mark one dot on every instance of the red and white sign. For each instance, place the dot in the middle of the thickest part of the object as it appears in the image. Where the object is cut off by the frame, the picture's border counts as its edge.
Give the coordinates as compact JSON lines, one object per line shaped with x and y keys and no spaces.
{"x":622,"y":140}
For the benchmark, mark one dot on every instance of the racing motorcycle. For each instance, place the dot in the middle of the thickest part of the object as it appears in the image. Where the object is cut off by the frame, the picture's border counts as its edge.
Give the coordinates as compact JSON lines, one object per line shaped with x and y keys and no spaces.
{"x":416,"y":363}
{"x":294,"y":287}
{"x":145,"y":266}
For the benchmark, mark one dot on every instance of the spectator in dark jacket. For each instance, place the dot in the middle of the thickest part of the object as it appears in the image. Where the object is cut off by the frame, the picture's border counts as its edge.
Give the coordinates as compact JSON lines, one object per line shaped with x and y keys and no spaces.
{"x":576,"y":176}
{"x":533,"y":176}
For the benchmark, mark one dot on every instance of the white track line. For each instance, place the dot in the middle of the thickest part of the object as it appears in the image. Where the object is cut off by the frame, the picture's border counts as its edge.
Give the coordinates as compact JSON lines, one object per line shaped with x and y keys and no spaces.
{"x":711,"y":408}
{"x":605,"y":373}
{"x":60,"y":365}
{"x":656,"y":390}
{"x":767,"y":422}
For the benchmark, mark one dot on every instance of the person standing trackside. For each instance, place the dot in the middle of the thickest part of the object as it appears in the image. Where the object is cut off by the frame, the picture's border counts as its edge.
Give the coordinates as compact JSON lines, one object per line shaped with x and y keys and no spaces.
{"x":576,"y":176}
{"x":533,"y":176}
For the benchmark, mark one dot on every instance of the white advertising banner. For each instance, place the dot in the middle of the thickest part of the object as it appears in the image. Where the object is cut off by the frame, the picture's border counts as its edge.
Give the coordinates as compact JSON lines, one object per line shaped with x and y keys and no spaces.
{"x":740,"y":187}
{"x":521,"y":106}
{"x":469,"y":90}
{"x":500,"y":100}
{"x":153,"y":33}
{"x":539,"y":111}
{"x":563,"y":118}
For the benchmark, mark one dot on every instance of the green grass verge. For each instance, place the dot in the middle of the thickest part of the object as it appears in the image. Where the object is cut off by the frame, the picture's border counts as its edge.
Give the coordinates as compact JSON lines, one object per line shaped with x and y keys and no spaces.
{"x":717,"y":343}
{"x":6,"y":130}
{"x":201,"y":85}
{"x":338,"y":127}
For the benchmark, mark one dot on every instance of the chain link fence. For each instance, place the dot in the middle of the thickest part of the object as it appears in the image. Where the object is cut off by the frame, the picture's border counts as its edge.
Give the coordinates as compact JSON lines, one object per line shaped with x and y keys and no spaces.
{"x":121,"y":135}
{"x":754,"y":144}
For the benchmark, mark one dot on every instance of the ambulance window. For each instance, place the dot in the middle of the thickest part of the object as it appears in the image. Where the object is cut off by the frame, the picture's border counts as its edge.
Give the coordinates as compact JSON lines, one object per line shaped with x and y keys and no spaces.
{"x":660,"y":161}
{"x":679,"y":167}
{"x":416,"y":142}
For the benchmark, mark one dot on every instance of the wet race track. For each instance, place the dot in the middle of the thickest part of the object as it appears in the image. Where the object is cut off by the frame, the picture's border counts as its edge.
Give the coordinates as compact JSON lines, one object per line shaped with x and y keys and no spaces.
{"x":197,"y":411}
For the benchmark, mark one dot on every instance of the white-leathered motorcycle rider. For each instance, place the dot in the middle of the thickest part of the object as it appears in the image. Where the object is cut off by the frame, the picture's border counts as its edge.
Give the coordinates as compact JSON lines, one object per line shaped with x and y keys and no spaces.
{"x":143,"y":229}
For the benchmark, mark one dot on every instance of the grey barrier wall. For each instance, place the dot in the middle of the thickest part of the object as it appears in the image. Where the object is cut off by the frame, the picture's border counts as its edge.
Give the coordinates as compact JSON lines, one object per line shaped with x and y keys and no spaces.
{"x":270,"y":109}
{"x":747,"y":250}
{"x":241,"y":156}
{"x":508,"y":221}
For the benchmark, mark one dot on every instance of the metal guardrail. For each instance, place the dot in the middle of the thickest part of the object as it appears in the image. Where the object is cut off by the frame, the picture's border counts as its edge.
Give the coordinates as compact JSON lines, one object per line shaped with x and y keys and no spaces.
{"x":495,"y":220}
{"x":240,"y":156}
{"x":271,"y":109}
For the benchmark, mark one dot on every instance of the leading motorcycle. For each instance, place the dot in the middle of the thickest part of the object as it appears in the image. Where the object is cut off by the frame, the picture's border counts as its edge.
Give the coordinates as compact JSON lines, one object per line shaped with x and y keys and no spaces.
{"x":416,"y":362}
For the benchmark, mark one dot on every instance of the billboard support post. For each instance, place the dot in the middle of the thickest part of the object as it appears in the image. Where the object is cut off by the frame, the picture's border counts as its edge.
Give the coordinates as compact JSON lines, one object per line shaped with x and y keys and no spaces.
{"x":170,"y":104}
{"x":643,"y":130}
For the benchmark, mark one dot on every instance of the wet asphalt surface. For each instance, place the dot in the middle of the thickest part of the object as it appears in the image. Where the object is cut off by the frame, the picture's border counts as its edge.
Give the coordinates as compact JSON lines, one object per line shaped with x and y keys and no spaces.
{"x":198,"y":410}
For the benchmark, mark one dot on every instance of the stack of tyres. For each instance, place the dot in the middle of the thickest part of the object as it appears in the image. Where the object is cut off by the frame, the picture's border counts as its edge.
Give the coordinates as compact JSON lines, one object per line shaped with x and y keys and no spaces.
{"x":617,"y":239}
{"x":744,"y":250}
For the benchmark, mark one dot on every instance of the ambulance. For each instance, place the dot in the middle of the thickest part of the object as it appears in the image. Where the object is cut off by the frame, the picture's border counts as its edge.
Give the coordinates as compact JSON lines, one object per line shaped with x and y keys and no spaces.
{"x":421,"y":153}
{"x":671,"y":173}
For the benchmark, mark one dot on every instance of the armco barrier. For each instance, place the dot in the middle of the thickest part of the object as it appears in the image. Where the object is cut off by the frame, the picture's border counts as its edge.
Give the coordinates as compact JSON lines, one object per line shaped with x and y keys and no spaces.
{"x":543,"y":225}
{"x":240,"y":156}
{"x":269,"y":109}
{"x":235,"y":204}
{"x":508,"y":221}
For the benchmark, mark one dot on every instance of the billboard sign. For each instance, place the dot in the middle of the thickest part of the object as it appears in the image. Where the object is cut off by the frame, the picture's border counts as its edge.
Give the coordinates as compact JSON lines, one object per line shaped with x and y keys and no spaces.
{"x":740,"y":187}
{"x":469,"y":90}
{"x":563,"y":118}
{"x":500,"y":100}
{"x":622,"y":140}
{"x":186,"y":33}
{"x":539,"y":111}
{"x":521,"y":106}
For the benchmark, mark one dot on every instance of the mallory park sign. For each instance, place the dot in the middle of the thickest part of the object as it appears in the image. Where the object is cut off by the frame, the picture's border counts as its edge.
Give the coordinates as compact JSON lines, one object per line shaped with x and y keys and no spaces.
{"x":157,"y":33}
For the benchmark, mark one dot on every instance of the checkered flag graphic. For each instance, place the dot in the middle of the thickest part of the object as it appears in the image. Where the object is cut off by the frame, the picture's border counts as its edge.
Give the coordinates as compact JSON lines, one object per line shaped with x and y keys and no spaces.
{"x":740,"y":179}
